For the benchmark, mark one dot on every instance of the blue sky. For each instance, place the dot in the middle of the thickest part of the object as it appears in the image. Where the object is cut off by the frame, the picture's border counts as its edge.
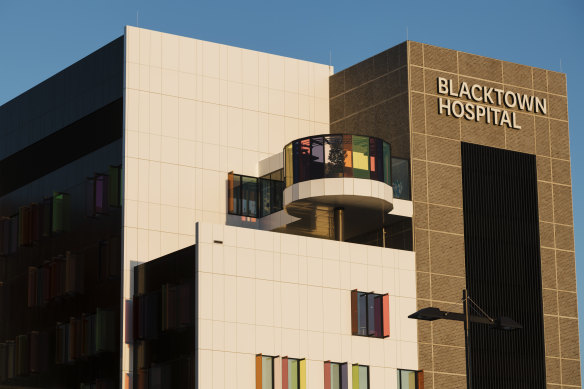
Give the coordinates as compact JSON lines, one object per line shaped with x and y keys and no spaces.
{"x":39,"y":38}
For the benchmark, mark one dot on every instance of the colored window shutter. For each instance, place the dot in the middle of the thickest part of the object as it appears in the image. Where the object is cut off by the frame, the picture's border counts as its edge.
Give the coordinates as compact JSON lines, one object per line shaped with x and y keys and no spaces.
{"x":344,"y":376}
{"x":354,"y":314}
{"x":385,"y":315}
{"x":302,"y":383}
{"x":284,"y":373}
{"x":259,"y":371}
{"x":420,"y":375}
{"x":327,"y":375}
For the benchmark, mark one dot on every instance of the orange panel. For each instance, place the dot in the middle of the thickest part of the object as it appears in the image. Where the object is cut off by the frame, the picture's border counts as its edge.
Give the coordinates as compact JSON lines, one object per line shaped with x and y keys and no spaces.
{"x":259,"y":371}
{"x":385,"y":315}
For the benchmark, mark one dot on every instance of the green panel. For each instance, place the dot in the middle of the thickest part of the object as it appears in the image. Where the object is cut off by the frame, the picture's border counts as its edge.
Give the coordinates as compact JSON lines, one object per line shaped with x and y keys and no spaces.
{"x":360,"y":157}
{"x":288,"y":165}
{"x":363,"y":377}
{"x":335,"y":376}
{"x":293,"y":374}
{"x":267,"y":372}
{"x":355,"y":376}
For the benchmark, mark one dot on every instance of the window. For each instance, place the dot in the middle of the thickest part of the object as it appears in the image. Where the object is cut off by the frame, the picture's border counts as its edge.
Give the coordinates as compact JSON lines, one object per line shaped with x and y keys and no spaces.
{"x":360,"y":377}
{"x":264,"y":372}
{"x":400,"y":169}
{"x":254,"y":197}
{"x":115,"y":185}
{"x":410,"y":379}
{"x":61,"y":209}
{"x":293,"y":373}
{"x":335,"y":375}
{"x":370,"y":314}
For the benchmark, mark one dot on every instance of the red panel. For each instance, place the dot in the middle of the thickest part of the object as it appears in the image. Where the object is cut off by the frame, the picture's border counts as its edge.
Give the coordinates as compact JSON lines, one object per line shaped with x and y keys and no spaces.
{"x":385,"y":315}
{"x":327,"y":375}
{"x":420,"y":379}
{"x":284,"y":372}
{"x":230,"y":192}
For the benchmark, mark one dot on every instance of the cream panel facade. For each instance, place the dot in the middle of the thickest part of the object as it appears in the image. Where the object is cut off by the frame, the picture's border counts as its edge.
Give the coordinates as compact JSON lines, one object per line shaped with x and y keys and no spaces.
{"x":194,"y":111}
{"x":287,"y":295}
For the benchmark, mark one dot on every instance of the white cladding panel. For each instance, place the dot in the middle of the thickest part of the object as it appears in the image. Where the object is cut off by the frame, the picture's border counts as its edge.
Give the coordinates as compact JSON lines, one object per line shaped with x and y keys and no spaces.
{"x":287,"y":295}
{"x":194,"y":111}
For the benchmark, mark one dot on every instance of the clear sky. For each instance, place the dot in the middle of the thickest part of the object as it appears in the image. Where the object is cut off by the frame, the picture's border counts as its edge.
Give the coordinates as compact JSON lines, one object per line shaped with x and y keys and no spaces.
{"x":39,"y":38}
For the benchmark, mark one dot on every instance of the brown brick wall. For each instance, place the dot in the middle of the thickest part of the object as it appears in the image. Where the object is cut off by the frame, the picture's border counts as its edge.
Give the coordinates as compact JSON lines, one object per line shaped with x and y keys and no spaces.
{"x":437,"y":196}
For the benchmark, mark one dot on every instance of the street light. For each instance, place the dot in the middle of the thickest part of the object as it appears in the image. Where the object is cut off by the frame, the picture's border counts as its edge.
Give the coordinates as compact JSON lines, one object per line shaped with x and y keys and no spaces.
{"x":501,"y":323}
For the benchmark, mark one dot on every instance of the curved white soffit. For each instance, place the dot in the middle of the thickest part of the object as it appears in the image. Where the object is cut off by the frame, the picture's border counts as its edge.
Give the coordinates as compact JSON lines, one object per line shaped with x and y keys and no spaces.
{"x":340,"y":192}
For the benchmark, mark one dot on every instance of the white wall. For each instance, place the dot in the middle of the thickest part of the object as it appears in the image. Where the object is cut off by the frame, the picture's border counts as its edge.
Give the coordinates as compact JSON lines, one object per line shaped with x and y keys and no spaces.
{"x":287,"y":295}
{"x":194,"y":111}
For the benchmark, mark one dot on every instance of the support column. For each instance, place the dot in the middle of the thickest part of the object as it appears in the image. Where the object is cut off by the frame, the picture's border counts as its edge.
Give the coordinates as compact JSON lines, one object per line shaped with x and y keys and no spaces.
{"x":340,"y":224}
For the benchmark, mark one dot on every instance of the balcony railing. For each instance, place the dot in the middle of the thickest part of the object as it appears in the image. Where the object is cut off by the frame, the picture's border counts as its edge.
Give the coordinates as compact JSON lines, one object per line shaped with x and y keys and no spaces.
{"x":252,"y":196}
{"x":337,"y":156}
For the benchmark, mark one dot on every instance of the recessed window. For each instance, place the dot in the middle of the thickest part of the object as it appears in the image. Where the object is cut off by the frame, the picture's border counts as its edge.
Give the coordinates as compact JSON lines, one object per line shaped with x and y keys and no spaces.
{"x":335,"y":375}
{"x":293,"y":373}
{"x":369,"y":314}
{"x":360,"y":377}
{"x":410,"y":379}
{"x":264,"y":372}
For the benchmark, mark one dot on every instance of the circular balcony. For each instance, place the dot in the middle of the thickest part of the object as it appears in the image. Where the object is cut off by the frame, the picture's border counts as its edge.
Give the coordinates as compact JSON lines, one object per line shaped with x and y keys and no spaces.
{"x":351,"y":173}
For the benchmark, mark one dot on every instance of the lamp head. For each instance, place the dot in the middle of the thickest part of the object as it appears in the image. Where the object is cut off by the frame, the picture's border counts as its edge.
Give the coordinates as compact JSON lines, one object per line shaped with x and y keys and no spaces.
{"x":428,"y":314}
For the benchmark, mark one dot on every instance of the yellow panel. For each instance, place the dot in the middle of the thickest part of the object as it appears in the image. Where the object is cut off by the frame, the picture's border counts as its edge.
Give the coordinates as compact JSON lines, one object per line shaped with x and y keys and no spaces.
{"x":303,"y":374}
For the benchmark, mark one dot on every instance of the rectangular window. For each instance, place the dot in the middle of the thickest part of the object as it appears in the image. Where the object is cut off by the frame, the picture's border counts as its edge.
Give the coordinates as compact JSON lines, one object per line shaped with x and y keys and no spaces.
{"x":249,"y":196}
{"x":264,"y":372}
{"x":293,"y":373}
{"x":387,"y":163}
{"x":360,"y":377}
{"x":61,"y":212}
{"x":410,"y":379}
{"x":335,"y":375}
{"x":114,"y":189}
{"x":101,"y":193}
{"x":370,"y":314}
{"x":400,"y":178}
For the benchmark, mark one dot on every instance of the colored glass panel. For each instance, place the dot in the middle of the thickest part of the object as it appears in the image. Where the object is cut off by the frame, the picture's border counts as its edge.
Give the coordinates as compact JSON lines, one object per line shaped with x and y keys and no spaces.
{"x":400,"y":178}
{"x":288,"y":165}
{"x":406,"y":379}
{"x":302,"y":378}
{"x":387,"y":163}
{"x":362,"y":313}
{"x":355,"y":374}
{"x":304,"y":160}
{"x":249,"y":195}
{"x":385,"y":315}
{"x":293,"y":374}
{"x":267,"y":372}
{"x":334,"y":156}
{"x":360,"y":157}
{"x":335,"y":376}
{"x":363,"y":377}
{"x":265,"y":197}
{"x":348,"y":154}
{"x":235,"y":203}
{"x":317,"y":158}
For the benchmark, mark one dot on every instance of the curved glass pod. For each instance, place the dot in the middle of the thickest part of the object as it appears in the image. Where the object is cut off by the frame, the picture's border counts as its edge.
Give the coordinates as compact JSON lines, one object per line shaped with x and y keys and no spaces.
{"x":336,"y":156}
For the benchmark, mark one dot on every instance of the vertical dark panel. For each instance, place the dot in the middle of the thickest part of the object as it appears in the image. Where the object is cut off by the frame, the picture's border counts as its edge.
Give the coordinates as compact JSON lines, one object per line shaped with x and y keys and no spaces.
{"x":503,"y":274}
